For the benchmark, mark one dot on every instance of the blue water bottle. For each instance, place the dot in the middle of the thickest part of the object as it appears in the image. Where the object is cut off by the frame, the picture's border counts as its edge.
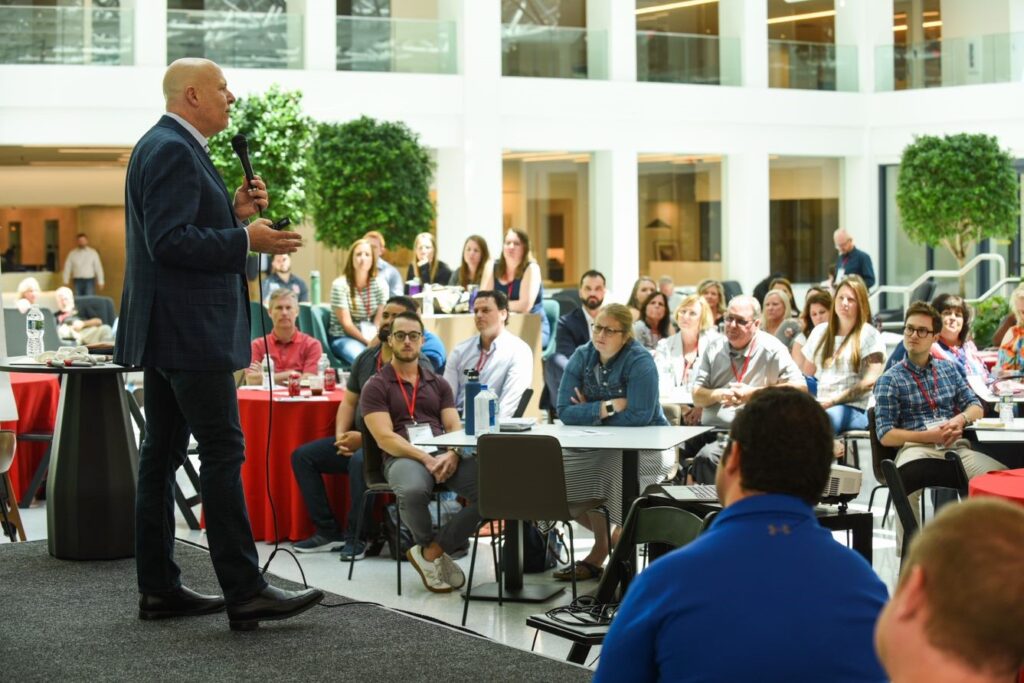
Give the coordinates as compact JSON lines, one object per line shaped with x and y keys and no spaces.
{"x":472,"y":388}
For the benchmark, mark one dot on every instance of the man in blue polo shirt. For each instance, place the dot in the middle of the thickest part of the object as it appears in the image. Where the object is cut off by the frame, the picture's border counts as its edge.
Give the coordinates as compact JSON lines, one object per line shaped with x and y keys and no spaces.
{"x":766,"y":594}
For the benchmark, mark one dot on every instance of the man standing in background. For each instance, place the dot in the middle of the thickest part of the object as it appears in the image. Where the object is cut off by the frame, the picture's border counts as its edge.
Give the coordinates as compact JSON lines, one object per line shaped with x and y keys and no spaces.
{"x":851,"y":260}
{"x":83,"y":266}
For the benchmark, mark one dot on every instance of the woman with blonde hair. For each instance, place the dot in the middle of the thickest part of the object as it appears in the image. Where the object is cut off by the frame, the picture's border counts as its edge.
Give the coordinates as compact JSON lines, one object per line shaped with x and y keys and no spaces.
{"x":714,"y":293}
{"x":777,"y":319}
{"x":474,"y":255}
{"x":845,"y":354}
{"x":611,"y":380}
{"x":517,"y":275}
{"x":1011,"y":347}
{"x":428,"y":269}
{"x":678,"y":357}
{"x":357,"y":298}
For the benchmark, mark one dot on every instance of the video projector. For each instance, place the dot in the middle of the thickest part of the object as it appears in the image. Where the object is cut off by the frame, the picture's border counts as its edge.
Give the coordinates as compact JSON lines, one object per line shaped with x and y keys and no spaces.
{"x":843,"y":485}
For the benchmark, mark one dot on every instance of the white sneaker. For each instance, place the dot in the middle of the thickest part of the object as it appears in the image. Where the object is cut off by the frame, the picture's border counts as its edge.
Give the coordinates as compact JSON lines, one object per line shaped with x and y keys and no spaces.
{"x":451,"y":572}
{"x":429,"y":571}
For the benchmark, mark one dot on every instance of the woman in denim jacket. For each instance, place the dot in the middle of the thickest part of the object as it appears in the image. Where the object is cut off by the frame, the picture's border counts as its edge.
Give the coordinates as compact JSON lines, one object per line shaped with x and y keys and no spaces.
{"x":612,"y":381}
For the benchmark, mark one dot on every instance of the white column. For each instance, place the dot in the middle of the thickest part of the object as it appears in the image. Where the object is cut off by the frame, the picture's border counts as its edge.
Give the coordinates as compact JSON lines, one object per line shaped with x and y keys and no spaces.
{"x":149,"y":36}
{"x":469,"y":176}
{"x":858,"y":204}
{"x":614,"y":211}
{"x":317,"y":31}
{"x":745,"y":21}
{"x":611,"y":54}
{"x":866,"y":26}
{"x":745,"y":219}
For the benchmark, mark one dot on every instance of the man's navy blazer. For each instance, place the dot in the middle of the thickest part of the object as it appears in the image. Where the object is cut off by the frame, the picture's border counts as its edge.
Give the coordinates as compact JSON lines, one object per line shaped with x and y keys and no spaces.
{"x":573,"y":332}
{"x":186,"y":302}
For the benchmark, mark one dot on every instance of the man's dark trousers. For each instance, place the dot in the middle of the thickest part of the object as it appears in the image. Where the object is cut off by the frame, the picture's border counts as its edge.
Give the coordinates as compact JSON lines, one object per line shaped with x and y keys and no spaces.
{"x":312,"y":460}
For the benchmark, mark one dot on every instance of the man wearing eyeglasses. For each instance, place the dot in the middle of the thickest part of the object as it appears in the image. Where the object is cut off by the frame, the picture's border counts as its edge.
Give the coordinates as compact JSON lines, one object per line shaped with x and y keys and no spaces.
{"x":405,"y":404}
{"x":734,"y":368}
{"x":924,"y":403}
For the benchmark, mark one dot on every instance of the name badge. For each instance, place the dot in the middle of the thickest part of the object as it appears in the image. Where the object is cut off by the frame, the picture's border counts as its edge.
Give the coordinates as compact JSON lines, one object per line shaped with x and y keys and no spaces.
{"x":367,"y":329}
{"x":420,"y":433}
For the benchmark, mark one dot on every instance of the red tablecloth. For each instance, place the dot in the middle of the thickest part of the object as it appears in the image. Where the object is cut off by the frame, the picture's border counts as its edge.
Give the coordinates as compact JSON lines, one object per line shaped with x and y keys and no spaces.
{"x":1007,"y":484}
{"x":36,"y":396}
{"x":294,"y":424}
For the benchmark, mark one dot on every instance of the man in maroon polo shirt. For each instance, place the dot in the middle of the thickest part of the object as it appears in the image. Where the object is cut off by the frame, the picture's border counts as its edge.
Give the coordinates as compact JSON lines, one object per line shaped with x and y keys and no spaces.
{"x":291,"y":350}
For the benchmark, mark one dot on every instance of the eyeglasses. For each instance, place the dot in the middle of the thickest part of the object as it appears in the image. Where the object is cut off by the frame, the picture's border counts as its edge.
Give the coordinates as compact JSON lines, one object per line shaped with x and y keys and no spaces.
{"x":911,"y":331}
{"x":739,"y":322}
{"x":601,"y":329}
{"x":411,"y":336}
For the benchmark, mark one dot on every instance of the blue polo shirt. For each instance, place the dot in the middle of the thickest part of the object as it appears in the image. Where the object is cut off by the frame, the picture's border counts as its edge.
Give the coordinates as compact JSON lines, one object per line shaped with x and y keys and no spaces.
{"x":766,"y":594}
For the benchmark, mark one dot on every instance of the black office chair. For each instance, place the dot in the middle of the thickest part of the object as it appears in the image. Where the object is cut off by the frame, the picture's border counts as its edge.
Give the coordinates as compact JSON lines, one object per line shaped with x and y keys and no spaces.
{"x":916,"y":475}
{"x":524,"y":401}
{"x":879,"y":453}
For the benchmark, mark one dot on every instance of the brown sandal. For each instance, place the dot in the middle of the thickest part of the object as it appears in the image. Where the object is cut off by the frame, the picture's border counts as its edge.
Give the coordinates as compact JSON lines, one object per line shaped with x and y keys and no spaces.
{"x":584,"y":572}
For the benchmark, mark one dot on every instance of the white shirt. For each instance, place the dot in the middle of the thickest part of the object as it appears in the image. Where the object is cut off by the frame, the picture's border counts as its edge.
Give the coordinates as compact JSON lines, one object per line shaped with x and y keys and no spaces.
{"x":83,"y":262}
{"x":507,"y":369}
{"x":840,"y":374}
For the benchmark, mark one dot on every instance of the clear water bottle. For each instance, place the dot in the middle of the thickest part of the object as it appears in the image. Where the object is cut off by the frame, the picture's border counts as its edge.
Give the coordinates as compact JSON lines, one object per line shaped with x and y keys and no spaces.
{"x":428,"y":300}
{"x":1006,"y":408}
{"x":470,"y":392}
{"x":322,"y":365}
{"x":34,"y":332}
{"x":485,"y":411}
{"x":268,"y":372}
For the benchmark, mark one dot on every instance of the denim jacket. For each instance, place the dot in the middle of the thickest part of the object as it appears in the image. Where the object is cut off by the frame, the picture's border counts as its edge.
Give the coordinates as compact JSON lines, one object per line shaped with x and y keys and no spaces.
{"x":631,"y":374}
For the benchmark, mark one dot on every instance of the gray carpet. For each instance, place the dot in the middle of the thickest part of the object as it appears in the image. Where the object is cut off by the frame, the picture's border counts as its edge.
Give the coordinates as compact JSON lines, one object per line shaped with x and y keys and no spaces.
{"x":64,"y":620}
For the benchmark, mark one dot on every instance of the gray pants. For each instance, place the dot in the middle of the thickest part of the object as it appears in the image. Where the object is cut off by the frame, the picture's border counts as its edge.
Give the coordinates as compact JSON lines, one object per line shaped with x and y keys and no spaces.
{"x":705,"y":463}
{"x":414,"y":486}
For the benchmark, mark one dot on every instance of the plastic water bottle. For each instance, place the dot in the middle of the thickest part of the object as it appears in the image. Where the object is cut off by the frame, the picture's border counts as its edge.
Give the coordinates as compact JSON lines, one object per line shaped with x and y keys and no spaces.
{"x":485,"y":411}
{"x":34,"y":332}
{"x":314,"y":286}
{"x":1006,"y":408}
{"x":322,"y":365}
{"x":428,"y":300}
{"x":472,"y":388}
{"x":268,"y":372}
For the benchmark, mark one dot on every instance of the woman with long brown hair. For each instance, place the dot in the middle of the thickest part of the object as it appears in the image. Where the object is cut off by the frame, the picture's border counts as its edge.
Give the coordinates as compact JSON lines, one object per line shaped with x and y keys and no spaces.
{"x":357,"y":298}
{"x":845,"y":354}
{"x":475,"y":255}
{"x":517,"y":275}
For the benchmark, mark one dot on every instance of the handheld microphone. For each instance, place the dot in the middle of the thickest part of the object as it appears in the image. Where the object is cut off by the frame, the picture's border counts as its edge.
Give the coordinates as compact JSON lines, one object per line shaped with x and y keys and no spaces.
{"x":241,"y":147}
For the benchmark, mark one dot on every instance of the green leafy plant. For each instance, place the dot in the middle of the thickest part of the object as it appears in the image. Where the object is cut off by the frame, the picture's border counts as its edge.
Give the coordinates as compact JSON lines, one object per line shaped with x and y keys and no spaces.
{"x":988,"y":315}
{"x":369,"y":175}
{"x":279,"y":136}
{"x":957,"y":190}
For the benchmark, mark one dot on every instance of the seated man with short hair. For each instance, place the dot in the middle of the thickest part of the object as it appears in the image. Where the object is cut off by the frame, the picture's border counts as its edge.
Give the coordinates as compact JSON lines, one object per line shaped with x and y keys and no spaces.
{"x":403,"y":404}
{"x":958,"y":609}
{"x":291,"y":350}
{"x":735,"y":367}
{"x":73,"y":327}
{"x":924,"y":403}
{"x":765,"y":593}
{"x":503,"y":360}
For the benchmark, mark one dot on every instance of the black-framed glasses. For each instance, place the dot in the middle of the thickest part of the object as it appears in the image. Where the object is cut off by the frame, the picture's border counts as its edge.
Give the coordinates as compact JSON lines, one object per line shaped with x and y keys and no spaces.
{"x":411,"y":336}
{"x":911,"y":331}
{"x":601,"y":330}
{"x":739,"y":322}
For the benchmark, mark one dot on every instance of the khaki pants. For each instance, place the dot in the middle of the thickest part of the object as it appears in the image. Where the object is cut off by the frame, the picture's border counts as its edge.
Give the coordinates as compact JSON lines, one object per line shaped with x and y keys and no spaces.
{"x":975,"y":464}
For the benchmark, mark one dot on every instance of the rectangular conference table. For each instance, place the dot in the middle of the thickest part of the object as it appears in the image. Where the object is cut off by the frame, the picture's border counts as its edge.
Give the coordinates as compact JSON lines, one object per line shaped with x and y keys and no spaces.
{"x":629,"y":440}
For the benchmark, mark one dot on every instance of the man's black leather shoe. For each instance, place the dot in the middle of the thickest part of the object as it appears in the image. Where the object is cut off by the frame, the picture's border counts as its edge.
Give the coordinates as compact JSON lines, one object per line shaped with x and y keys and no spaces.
{"x":271,"y":604}
{"x":183,"y":602}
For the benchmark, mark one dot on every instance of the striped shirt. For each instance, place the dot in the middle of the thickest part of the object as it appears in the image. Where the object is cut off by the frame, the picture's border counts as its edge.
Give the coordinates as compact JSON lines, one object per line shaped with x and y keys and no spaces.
{"x":909,"y":397}
{"x":367,"y":300}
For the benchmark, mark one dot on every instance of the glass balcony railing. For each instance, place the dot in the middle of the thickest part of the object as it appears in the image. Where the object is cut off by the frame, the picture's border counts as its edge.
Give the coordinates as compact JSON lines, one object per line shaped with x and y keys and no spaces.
{"x":812,"y":66}
{"x":65,"y":35}
{"x":553,"y":51}
{"x":401,"y":45}
{"x":687,"y":58}
{"x":996,"y":58}
{"x":252,"y":40}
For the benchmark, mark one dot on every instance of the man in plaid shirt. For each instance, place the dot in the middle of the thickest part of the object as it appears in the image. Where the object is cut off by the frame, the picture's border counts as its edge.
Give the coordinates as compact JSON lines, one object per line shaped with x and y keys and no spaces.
{"x":923,"y":404}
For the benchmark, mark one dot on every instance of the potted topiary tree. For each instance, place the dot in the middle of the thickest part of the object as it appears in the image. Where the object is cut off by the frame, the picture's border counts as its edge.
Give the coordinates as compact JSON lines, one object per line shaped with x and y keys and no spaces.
{"x":957,"y":190}
{"x":369,"y":175}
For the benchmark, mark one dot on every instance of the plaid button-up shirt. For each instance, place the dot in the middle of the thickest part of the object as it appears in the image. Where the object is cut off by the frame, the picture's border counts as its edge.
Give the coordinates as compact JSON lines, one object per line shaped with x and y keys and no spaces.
{"x":902,"y":394}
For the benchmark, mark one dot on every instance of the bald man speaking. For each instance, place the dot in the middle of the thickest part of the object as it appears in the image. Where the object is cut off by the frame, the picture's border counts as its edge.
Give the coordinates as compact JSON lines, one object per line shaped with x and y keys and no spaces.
{"x":185,"y":320}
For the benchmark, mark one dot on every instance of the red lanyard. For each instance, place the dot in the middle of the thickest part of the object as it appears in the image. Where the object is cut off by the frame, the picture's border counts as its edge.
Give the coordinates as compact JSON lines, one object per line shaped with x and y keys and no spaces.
{"x":411,"y":405}
{"x":484,"y":357}
{"x":366,"y":299}
{"x":743,"y":373}
{"x":379,"y":354}
{"x":933,"y":402}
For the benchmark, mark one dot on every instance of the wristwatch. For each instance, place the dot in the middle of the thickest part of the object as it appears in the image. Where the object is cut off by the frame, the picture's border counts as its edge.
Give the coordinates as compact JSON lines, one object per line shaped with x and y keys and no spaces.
{"x":609,"y":409}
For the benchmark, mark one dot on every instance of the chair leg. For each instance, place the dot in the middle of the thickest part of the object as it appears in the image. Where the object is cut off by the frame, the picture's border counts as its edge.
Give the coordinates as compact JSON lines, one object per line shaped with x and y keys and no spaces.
{"x":494,"y":545}
{"x":37,"y":478}
{"x":398,"y":547}
{"x":359,"y":526}
{"x":501,"y":560}
{"x":469,"y":581}
{"x":871,"y":498}
{"x":572,"y":556}
{"x":888,"y":503}
{"x":9,"y":505}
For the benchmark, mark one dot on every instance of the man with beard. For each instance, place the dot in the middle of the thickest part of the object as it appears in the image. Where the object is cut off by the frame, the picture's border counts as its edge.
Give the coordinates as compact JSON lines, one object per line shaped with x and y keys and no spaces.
{"x":404,"y":404}
{"x":343,"y":452}
{"x":281,"y":276}
{"x":574,"y":329}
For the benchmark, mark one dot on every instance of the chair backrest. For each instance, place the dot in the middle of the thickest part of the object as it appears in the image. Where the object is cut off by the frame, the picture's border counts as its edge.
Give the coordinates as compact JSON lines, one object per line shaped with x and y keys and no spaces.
{"x":551,"y":309}
{"x":256,"y":309}
{"x":879,"y":452}
{"x":923,"y":292}
{"x":305,"y":319}
{"x":101,"y":307}
{"x":321,"y":318}
{"x":920,"y":474}
{"x":373,"y":460}
{"x":568,"y":300}
{"x":647,"y":522}
{"x":8,"y":440}
{"x":732,"y":288}
{"x":521,"y":476}
{"x":524,"y":401}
